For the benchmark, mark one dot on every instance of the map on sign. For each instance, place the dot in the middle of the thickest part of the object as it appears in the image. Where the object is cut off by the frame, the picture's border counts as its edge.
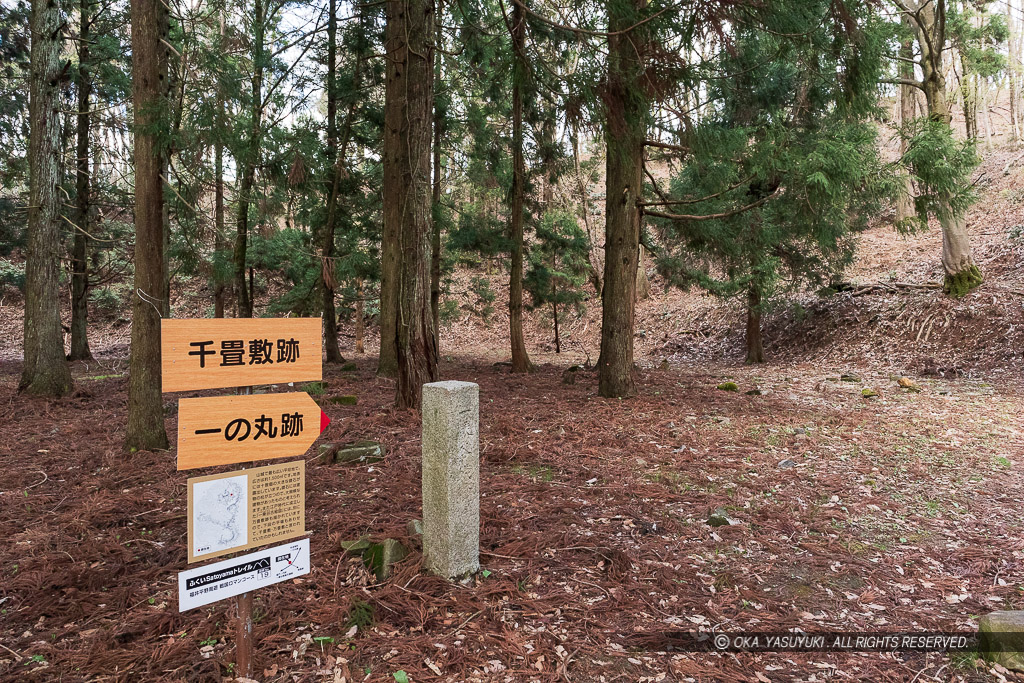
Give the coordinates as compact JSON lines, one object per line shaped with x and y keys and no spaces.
{"x":220,"y":515}
{"x":245,"y":509}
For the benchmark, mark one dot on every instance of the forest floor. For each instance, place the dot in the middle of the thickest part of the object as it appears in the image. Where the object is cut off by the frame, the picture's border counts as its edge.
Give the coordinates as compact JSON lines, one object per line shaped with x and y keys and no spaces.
{"x":898,"y":512}
{"x":889,"y":513}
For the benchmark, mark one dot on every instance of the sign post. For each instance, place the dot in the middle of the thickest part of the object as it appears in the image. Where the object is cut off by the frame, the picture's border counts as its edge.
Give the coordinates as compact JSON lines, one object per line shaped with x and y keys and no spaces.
{"x":254,"y":506}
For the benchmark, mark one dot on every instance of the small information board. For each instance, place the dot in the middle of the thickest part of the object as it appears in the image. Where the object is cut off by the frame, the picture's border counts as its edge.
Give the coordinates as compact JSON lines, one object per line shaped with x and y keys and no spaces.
{"x":213,"y":353}
{"x":228,"y":578}
{"x":246,"y":508}
{"x":225,"y":430}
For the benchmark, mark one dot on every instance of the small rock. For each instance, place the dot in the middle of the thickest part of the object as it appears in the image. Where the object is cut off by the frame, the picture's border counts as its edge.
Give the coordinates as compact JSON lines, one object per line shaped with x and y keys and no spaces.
{"x":728,"y":386}
{"x":720,"y":518}
{"x":357,"y":546}
{"x":361,"y":452}
{"x":414,"y":527}
{"x":1001,"y":638}
{"x":787,"y":464}
{"x":345,"y":400}
{"x":380,"y":556}
{"x":326,"y":453}
{"x":868,"y":393}
{"x":908,"y":383}
{"x":848,"y":377}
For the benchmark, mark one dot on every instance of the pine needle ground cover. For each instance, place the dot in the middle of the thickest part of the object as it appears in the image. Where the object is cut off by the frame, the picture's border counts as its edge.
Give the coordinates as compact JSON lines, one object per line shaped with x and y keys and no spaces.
{"x":896,"y":512}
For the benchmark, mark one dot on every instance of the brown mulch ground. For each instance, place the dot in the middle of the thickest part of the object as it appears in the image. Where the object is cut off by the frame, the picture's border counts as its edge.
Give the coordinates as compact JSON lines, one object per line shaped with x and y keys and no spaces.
{"x":900,"y":512}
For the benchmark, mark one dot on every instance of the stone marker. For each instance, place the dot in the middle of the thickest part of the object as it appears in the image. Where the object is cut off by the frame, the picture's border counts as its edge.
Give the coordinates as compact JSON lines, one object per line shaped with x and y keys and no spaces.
{"x":1001,"y":636}
{"x":451,"y":478}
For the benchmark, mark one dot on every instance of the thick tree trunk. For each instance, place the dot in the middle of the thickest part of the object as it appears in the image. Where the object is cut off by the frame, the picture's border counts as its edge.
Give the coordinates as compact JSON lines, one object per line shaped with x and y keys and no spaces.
{"x":962,"y":273}
{"x":331,"y":349}
{"x":392,"y":191}
{"x":520,"y":358}
{"x":149,"y":78}
{"x":908,"y":101}
{"x":755,"y":345}
{"x":46,"y":371}
{"x":219,"y":244}
{"x":435,"y":228}
{"x":243,"y":296}
{"x":409,"y":102}
{"x":80,"y":249}
{"x":626,"y":109}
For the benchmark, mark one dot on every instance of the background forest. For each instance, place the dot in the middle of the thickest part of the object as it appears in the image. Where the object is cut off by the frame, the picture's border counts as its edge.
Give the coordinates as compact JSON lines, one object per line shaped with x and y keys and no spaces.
{"x":353,"y":160}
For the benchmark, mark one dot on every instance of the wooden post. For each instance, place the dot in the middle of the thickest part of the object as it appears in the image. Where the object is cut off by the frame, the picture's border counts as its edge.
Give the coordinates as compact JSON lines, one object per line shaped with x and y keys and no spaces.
{"x":243,"y":628}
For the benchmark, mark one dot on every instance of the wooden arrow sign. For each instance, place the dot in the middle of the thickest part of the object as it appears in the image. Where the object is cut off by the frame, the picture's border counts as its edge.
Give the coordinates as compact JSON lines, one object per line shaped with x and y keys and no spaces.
{"x":225,"y":430}
{"x":213,"y":353}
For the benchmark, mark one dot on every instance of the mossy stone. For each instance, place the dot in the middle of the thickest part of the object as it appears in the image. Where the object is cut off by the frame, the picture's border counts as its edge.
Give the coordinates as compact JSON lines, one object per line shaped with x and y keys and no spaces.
{"x":1001,"y":638}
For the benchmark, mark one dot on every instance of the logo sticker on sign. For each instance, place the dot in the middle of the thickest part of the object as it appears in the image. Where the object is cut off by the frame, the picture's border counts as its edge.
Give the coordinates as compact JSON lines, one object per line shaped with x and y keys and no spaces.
{"x":226,"y":579}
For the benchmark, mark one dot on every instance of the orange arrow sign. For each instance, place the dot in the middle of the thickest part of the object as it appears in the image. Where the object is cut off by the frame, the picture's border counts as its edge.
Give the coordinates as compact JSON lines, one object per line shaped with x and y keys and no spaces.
{"x":231,"y":429}
{"x":213,"y":353}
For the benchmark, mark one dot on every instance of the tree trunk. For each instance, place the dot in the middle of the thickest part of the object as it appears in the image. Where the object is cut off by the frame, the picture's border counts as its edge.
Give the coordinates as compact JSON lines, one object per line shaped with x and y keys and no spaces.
{"x":435,"y":235}
{"x":755,"y":345}
{"x":643,"y":283}
{"x":908,"y":101}
{"x":80,"y":249}
{"x":243,"y":297}
{"x":409,"y":98}
{"x":593,"y":275}
{"x":520,"y":358}
{"x":962,"y":274}
{"x":46,"y":371}
{"x":331,"y":349}
{"x":626,"y":109}
{"x":149,"y":78}
{"x":360,"y":318}
{"x":219,"y":285}
{"x":392,"y":191}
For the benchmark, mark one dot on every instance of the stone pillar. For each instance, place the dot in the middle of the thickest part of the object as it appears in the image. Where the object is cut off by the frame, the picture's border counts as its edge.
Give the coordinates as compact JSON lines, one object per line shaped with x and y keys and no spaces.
{"x":451,"y":478}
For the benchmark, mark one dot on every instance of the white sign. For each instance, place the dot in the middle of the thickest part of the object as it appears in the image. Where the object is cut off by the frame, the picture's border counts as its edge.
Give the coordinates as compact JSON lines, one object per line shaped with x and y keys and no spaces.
{"x":228,"y":578}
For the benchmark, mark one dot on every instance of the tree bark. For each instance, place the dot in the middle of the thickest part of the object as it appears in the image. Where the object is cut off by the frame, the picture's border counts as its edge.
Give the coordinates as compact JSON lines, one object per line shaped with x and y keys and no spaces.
{"x":46,"y":371}
{"x":626,"y":110}
{"x":962,"y":273}
{"x":149,"y":80}
{"x":409,"y":98}
{"x":219,"y":285}
{"x":360,"y":318}
{"x":331,"y":349}
{"x":643,"y":282}
{"x":392,"y":191}
{"x":243,"y":296}
{"x":80,"y":248}
{"x":755,"y":344}
{"x":435,"y":234}
{"x":908,"y":101}
{"x":520,"y":358}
